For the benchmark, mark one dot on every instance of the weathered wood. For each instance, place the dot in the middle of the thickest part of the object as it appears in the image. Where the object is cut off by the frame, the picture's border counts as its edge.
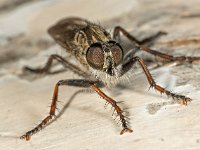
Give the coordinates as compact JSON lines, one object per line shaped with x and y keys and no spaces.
{"x":85,"y":124}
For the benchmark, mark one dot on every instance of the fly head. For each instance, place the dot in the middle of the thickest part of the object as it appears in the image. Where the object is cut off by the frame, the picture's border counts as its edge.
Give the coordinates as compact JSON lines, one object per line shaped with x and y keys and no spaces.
{"x":105,"y":57}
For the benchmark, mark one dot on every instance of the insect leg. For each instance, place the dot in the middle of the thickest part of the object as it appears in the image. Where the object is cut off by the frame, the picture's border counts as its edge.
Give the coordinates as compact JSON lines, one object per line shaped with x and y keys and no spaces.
{"x":45,"y":121}
{"x":117,"y":108}
{"x":81,"y":83}
{"x":138,"y":45}
{"x":169,"y":57}
{"x":78,"y":83}
{"x":179,"y":98}
{"x":148,"y":40}
{"x":65,"y":63}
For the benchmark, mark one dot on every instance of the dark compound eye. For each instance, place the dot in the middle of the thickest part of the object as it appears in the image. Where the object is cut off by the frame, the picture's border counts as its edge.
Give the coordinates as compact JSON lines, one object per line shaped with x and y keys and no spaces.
{"x":117,"y":54}
{"x":95,"y":56}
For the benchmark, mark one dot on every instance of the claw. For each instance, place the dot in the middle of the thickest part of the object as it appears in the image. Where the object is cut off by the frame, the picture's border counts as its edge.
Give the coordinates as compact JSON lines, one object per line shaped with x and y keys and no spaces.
{"x":185,"y":101}
{"x":125,"y":130}
{"x":26,"y":137}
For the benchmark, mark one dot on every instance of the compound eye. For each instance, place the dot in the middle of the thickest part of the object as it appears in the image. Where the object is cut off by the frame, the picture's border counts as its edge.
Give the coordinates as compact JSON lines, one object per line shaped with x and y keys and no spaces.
{"x":117,"y":54}
{"x":95,"y":56}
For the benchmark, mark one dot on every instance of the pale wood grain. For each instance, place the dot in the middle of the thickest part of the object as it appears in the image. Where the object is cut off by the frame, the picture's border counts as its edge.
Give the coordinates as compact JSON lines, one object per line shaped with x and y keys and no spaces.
{"x":85,"y":124}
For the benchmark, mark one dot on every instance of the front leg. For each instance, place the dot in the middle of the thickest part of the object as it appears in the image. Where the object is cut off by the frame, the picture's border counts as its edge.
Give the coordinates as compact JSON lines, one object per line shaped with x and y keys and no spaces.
{"x":116,"y":107}
{"x":179,"y":98}
{"x":79,"y":83}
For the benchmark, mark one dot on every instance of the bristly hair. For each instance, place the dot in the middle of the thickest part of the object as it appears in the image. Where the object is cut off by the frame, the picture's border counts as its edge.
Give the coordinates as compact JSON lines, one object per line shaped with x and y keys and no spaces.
{"x":108,"y":80}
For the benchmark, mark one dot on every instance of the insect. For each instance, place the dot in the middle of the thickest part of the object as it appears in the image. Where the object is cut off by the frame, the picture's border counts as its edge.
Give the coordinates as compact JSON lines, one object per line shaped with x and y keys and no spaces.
{"x":104,"y":62}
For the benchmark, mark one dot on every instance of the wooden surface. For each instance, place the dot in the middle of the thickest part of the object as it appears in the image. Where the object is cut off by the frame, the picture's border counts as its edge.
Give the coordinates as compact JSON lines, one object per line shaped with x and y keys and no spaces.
{"x":85,"y":124}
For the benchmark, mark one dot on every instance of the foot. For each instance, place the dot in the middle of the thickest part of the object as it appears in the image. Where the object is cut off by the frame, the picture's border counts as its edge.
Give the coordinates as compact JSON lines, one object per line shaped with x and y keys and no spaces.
{"x":125,"y":130}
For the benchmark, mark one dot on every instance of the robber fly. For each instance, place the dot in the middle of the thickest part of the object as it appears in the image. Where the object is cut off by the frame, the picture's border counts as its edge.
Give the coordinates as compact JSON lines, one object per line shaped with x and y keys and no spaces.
{"x":104,"y":61}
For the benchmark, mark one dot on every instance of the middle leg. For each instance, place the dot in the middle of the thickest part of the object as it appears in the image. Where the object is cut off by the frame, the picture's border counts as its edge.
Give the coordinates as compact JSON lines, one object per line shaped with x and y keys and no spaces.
{"x":148,"y":40}
{"x":48,"y":65}
{"x":179,"y":98}
{"x":138,"y":46}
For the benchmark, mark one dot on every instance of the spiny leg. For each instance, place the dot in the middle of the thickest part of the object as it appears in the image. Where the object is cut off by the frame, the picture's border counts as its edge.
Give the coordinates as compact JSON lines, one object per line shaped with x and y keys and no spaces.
{"x":138,"y":46}
{"x":78,"y":83}
{"x":45,"y":121}
{"x":179,"y":98}
{"x":48,"y":65}
{"x":171,"y":58}
{"x":148,"y":40}
{"x":117,"y":109}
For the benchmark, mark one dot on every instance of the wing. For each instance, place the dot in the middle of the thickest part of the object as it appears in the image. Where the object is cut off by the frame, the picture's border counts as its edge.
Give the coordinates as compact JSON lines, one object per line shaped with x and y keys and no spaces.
{"x":64,"y":31}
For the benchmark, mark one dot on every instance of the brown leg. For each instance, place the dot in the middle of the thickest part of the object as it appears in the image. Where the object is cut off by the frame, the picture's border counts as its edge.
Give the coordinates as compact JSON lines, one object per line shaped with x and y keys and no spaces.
{"x":148,"y":40}
{"x":169,"y":57}
{"x":65,"y":63}
{"x":153,"y":52}
{"x":79,"y":83}
{"x":117,"y":108}
{"x":45,"y":121}
{"x":179,"y":98}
